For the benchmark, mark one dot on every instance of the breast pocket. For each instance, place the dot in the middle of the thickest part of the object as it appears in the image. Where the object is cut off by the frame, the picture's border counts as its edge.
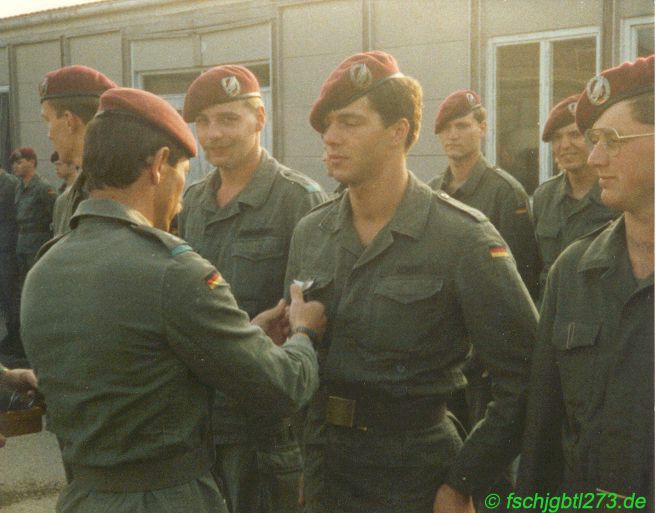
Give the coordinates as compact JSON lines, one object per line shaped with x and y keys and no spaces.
{"x":405,"y":312}
{"x":549,"y":242}
{"x":576,"y":355}
{"x":258,"y":272}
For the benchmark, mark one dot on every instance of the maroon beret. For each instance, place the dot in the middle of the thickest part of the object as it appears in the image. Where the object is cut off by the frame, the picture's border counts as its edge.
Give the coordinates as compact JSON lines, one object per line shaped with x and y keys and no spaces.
{"x":561,"y":115}
{"x":151,"y":109}
{"x":352,"y":79}
{"x":456,"y":105}
{"x":221,"y":84}
{"x":74,"y":80}
{"x":612,"y":86}
{"x":22,"y":153}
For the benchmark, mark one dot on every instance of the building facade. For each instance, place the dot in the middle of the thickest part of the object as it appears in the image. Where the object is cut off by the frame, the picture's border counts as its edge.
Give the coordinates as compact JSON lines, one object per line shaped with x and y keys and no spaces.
{"x":521,"y":55}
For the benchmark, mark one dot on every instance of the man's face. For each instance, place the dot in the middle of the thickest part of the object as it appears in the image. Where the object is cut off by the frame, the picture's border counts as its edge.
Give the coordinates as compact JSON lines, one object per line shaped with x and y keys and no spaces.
{"x":169,"y":193}
{"x":23,"y":168}
{"x":64,"y":170}
{"x":627,"y":178}
{"x":355,"y":142}
{"x":461,"y":137}
{"x":229,"y":133}
{"x":569,"y":148}
{"x":58,"y":132}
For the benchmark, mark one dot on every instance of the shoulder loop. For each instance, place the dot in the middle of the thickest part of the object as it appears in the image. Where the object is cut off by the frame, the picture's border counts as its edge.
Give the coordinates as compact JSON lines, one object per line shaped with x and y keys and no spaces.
{"x":43,"y":249}
{"x":174,"y":244}
{"x":307,"y":183}
{"x":453,"y":203}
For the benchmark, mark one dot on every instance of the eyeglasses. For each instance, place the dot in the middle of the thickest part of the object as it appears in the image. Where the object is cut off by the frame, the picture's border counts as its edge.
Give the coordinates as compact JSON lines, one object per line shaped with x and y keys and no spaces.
{"x":610,"y":139}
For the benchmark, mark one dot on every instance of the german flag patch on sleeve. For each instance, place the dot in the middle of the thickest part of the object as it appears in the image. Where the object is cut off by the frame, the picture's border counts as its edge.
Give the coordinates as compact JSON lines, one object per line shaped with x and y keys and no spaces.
{"x":213,"y":279}
{"x":498,"y":251}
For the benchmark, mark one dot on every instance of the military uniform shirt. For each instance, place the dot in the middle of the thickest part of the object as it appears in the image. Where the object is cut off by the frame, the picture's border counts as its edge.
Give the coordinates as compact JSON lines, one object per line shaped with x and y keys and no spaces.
{"x":126,"y":378}
{"x":559,"y":222}
{"x":590,"y":419}
{"x":34,"y":204}
{"x":402,"y":312}
{"x":503,"y":200}
{"x":248,"y":241}
{"x":66,"y":205}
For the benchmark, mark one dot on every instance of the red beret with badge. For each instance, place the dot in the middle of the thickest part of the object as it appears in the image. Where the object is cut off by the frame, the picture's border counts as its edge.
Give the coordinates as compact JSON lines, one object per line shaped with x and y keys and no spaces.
{"x":221,"y":84}
{"x":76,"y":80}
{"x":561,"y":115}
{"x":613,"y":85}
{"x":352,"y":79}
{"x":24,"y":152}
{"x":151,"y":109}
{"x":456,"y":105}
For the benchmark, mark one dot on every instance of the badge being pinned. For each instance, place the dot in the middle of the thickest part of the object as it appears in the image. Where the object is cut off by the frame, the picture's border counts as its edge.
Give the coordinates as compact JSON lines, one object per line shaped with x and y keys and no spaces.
{"x":213,"y":279}
{"x":498,"y":251}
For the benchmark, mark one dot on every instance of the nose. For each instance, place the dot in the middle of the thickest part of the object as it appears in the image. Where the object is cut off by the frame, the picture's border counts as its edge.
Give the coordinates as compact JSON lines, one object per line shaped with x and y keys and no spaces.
{"x":330,"y":135}
{"x":215,"y":130}
{"x":598,"y":156}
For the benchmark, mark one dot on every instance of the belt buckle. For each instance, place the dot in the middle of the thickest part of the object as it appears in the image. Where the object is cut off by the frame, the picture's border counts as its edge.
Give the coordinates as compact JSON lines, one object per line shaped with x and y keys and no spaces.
{"x":340,"y":411}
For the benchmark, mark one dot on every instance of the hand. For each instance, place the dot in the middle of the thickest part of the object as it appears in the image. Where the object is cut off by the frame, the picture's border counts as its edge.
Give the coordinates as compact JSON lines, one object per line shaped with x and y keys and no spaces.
{"x":274,"y":322}
{"x":22,"y":380}
{"x":301,"y":490}
{"x":449,"y":500}
{"x":311,"y":314}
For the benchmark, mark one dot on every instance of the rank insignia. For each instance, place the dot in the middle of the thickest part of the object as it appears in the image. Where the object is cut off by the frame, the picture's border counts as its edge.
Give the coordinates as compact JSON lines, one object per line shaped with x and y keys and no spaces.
{"x":498,"y":251}
{"x":213,"y":279}
{"x":521,"y":210}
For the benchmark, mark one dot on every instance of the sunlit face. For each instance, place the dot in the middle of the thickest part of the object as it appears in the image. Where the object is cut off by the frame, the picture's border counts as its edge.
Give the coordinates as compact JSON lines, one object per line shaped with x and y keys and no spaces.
{"x":461,"y":137}
{"x":355,"y":142}
{"x":230,"y":133}
{"x":626,"y":179}
{"x":569,"y":148}
{"x":23,"y":168}
{"x":169,"y":193}
{"x":58,"y":132}
{"x":64,"y":170}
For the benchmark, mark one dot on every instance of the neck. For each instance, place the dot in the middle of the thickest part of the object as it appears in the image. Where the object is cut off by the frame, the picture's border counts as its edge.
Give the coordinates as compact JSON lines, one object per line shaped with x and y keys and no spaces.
{"x":70,"y":179}
{"x":26,"y":179}
{"x":640,"y":241}
{"x":375,"y":201}
{"x":235,"y":180}
{"x":581,"y":181}
{"x":462,"y":168}
{"x":132,"y":197}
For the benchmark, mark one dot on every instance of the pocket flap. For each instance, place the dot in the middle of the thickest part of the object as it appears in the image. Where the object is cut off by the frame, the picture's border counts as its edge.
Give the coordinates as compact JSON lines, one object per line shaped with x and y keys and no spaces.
{"x":407,"y":289}
{"x":259,"y":249}
{"x":571,"y":335}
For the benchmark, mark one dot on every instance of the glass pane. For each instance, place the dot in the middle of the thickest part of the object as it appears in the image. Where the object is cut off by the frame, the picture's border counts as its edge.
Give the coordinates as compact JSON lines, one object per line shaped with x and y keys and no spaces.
{"x":574,"y":63}
{"x":645,"y":37}
{"x":518,"y":93}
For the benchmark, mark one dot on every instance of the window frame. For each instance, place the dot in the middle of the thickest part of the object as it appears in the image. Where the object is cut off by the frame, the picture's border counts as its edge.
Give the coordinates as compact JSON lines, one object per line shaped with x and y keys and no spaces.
{"x":629,"y":36}
{"x":545,"y":41}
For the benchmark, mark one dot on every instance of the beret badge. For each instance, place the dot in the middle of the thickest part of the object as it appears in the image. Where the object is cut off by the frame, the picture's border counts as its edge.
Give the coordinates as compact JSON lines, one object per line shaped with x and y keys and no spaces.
{"x":231,"y":85}
{"x":571,"y":107}
{"x":598,"y":90}
{"x":360,"y":75}
{"x":471,"y":100}
{"x":43,"y":87}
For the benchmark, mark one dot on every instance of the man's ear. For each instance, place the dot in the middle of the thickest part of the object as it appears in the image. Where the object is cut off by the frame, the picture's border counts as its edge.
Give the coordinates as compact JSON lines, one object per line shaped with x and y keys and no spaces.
{"x":400,"y":129}
{"x":483,"y":126}
{"x":156,"y":167}
{"x":73,"y":121}
{"x":260,"y":116}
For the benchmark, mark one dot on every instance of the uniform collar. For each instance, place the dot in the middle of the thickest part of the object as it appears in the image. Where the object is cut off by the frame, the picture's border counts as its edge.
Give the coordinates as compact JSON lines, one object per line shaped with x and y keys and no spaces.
{"x":34,"y":181}
{"x":606,"y":249}
{"x":409,"y":219}
{"x":472,"y":181}
{"x":564,"y":189}
{"x":109,"y":209}
{"x":256,"y":191}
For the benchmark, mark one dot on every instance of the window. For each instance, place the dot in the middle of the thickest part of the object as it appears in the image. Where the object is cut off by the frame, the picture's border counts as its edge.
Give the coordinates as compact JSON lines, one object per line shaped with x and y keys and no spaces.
{"x":527,"y":76}
{"x":172,"y":86}
{"x":637,"y":37}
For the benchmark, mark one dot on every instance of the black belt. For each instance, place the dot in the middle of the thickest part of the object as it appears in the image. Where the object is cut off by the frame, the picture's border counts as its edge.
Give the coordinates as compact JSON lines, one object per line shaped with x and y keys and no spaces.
{"x":143,"y":476}
{"x":363,"y":410}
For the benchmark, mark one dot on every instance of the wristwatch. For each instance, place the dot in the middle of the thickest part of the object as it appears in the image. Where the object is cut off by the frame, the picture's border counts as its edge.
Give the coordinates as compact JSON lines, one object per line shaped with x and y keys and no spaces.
{"x":311,"y":334}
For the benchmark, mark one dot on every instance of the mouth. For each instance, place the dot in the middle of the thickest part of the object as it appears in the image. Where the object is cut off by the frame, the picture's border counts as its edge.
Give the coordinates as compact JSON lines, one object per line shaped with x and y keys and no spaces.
{"x":334,"y":159}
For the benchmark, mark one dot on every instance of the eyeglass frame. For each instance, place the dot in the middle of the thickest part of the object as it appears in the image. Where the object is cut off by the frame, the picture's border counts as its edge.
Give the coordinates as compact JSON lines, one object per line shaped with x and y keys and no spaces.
{"x":618,"y":139}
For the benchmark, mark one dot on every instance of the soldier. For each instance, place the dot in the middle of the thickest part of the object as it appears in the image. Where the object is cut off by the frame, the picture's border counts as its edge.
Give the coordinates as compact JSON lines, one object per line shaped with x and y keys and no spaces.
{"x":65,"y":171}
{"x":156,"y":328}
{"x":568,"y":205}
{"x":590,"y":418}
{"x":9,"y":292}
{"x":409,"y":277}
{"x":241,"y":218}
{"x":69,"y":100}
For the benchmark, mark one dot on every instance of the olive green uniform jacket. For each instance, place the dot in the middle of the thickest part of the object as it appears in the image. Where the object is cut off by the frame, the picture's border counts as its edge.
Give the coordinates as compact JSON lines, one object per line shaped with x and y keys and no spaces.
{"x":66,"y":204}
{"x":34,"y":204}
{"x":503,"y":200}
{"x":590,"y":419}
{"x":560,"y":220}
{"x":401,"y":315}
{"x":128,"y":380}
